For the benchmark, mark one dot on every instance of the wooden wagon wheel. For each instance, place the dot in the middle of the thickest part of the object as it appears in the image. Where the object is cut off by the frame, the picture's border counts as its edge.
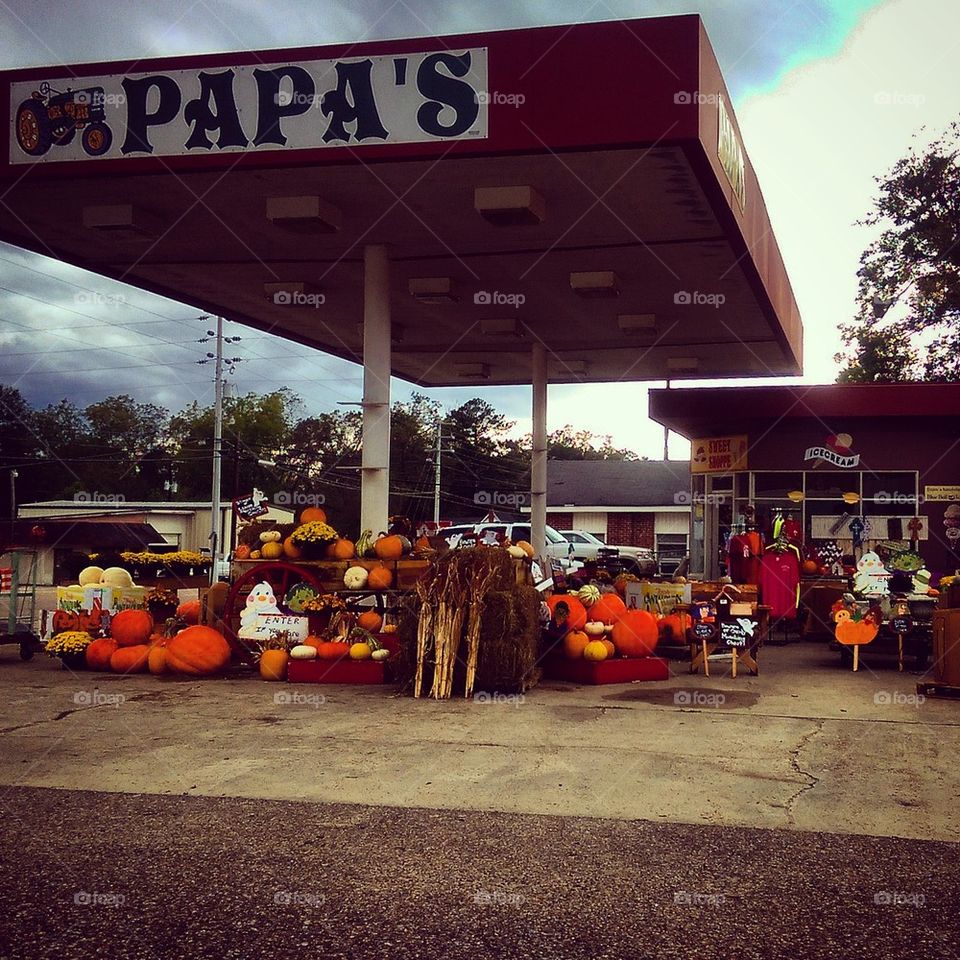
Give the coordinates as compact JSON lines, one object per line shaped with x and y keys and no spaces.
{"x":281,"y":576}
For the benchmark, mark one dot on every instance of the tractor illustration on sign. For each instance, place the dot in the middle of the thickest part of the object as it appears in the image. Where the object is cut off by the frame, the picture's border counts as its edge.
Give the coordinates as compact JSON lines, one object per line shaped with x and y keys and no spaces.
{"x":49,"y":118}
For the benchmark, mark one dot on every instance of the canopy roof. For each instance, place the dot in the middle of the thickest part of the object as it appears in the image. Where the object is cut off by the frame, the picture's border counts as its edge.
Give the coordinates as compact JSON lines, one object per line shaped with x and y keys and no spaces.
{"x":248,"y":184}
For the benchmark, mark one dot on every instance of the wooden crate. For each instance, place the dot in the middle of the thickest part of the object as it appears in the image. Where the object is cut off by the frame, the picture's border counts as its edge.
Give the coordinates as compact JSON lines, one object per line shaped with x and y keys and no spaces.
{"x":946,"y":647}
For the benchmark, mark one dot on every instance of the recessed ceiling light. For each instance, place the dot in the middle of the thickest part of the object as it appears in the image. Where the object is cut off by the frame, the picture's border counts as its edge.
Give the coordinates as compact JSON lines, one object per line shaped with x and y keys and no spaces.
{"x":432,"y":289}
{"x":303,"y":214}
{"x":510,"y":206}
{"x":595,"y":283}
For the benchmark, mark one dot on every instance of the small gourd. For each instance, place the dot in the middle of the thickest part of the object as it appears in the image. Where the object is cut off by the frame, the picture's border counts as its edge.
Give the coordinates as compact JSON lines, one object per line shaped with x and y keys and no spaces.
{"x":595,"y":628}
{"x":270,"y":536}
{"x":303,"y":651}
{"x":361,"y":651}
{"x":589,"y":594}
{"x":381,"y":654}
{"x":518,"y":553}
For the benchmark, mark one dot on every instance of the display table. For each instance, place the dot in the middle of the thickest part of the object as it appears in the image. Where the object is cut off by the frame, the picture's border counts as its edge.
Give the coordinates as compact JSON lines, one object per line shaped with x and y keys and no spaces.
{"x":701,"y":650}
{"x":336,"y":671}
{"x":817,"y":597}
{"x":617,"y":670}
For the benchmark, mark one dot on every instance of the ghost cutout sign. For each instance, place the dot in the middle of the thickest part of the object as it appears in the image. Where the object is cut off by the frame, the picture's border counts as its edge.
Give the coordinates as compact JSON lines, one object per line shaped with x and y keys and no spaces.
{"x":261,"y":599}
{"x":871,"y":579}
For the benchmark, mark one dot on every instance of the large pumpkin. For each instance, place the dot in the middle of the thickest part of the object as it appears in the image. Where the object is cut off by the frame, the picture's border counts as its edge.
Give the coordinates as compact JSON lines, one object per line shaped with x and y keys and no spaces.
{"x":608,"y":609}
{"x":574,"y":617}
{"x":130,"y":628}
{"x":574,"y":643}
{"x":635,"y":634}
{"x":674,"y":627}
{"x":157,"y":658}
{"x":99,"y":652}
{"x":379,"y":578}
{"x":313,"y":515}
{"x":291,"y":550}
{"x":190,"y":612}
{"x":197,"y":651}
{"x":389,"y":547}
{"x":342,"y":549}
{"x":130,"y":659}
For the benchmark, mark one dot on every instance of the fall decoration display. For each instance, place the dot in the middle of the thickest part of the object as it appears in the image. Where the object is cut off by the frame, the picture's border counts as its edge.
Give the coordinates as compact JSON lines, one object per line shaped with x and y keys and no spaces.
{"x":379,"y":578}
{"x":595,"y":650}
{"x":574,"y":643}
{"x":197,"y":651}
{"x":567,"y":611}
{"x":99,"y":652}
{"x":131,"y":628}
{"x":635,"y":634}
{"x":130,"y":659}
{"x":608,"y":609}
{"x":190,"y":612}
{"x":389,"y":547}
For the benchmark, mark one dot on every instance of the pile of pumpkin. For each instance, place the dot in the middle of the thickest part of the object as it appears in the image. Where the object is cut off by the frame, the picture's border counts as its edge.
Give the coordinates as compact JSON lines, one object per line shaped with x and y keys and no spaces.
{"x":597,"y":626}
{"x":184,"y":646}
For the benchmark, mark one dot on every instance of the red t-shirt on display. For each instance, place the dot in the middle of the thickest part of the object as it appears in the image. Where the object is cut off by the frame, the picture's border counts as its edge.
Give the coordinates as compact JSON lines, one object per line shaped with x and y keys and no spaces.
{"x":779,"y":582}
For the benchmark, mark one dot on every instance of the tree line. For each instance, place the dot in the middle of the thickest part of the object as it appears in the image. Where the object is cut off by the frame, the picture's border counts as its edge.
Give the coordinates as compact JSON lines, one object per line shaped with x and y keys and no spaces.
{"x":122,"y":449}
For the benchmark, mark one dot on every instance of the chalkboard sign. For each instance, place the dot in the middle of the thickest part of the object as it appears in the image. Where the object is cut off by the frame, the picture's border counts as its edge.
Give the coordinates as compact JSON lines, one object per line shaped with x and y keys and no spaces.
{"x":249,"y":508}
{"x":902,"y":625}
{"x":738,"y":631}
{"x":704,"y":631}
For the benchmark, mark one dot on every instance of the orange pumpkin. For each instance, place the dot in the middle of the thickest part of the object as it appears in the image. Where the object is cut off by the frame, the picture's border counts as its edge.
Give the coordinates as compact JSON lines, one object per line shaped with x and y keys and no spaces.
{"x":131,"y":628}
{"x":291,"y":550}
{"x":849,"y":631}
{"x":315,"y":642}
{"x":333,"y":650}
{"x":674,"y":627}
{"x":99,"y":652}
{"x":635,"y":634}
{"x":611,"y":649}
{"x":157,"y":658}
{"x":370,"y":620}
{"x":608,"y":609}
{"x":91,"y":623}
{"x":573,"y":617}
{"x":389,"y":547}
{"x":130,"y":659}
{"x":313,"y":514}
{"x":64,"y":620}
{"x":380,"y":578}
{"x":190,"y":612}
{"x":811,"y":567}
{"x":574,"y":643}
{"x":342,"y":549}
{"x":197,"y":651}
{"x":242,"y":551}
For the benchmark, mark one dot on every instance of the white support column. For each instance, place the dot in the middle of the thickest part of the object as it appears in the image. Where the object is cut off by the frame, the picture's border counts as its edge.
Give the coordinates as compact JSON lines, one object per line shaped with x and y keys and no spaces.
{"x":538,"y":463}
{"x":375,"y":474}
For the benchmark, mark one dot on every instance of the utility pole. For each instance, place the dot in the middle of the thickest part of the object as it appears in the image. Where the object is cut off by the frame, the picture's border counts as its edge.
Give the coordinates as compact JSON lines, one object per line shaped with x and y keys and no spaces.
{"x":666,"y":437}
{"x":436,"y":472}
{"x":217,"y":455}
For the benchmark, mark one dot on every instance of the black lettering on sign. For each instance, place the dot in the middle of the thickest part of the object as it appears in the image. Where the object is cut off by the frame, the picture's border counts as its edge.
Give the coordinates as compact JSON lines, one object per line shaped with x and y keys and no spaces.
{"x":446,"y":91}
{"x":217,"y":87}
{"x":353,"y":79}
{"x":273,"y":106}
{"x":139,"y":120}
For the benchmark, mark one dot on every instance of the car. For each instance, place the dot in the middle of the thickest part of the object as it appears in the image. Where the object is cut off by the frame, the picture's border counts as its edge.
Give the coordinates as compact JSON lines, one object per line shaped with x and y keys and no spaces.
{"x":586,"y":546}
{"x":556,"y":546}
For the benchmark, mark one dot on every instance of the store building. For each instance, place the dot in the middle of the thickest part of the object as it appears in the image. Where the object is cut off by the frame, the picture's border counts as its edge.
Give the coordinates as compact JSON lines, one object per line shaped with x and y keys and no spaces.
{"x":850,"y":461}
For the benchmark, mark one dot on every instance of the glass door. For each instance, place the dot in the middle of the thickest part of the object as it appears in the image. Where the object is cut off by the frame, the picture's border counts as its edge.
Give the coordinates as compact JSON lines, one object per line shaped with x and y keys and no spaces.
{"x":718,"y":522}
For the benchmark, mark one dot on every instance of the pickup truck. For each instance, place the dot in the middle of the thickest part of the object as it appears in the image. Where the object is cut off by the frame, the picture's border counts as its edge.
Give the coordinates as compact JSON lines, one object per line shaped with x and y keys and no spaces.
{"x":637,"y":560}
{"x":556,"y":546}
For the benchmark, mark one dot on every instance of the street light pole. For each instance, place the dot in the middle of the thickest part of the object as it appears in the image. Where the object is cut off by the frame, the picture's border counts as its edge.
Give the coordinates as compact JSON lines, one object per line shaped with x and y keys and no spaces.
{"x":217,"y":456}
{"x":436,"y":475}
{"x":13,"y":503}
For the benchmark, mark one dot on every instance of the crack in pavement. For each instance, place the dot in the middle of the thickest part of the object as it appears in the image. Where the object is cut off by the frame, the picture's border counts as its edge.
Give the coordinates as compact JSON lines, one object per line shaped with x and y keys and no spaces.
{"x":812,"y":779}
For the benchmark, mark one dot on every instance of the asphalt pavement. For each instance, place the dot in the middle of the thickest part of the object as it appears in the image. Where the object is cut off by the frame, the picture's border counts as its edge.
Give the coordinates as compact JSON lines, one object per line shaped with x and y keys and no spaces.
{"x":88,"y":874}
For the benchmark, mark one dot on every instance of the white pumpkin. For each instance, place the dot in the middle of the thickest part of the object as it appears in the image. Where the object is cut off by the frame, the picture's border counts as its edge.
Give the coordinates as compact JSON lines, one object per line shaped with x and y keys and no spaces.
{"x":595,"y":628}
{"x":116,"y":577}
{"x":380,"y":654}
{"x":355,"y":578}
{"x":90,"y":576}
{"x":518,"y":553}
{"x":303,"y":652}
{"x":608,"y":628}
{"x":270,"y":536}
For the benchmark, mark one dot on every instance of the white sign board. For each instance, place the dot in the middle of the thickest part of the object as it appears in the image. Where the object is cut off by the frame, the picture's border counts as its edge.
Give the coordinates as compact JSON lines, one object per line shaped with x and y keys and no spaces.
{"x":407,"y":98}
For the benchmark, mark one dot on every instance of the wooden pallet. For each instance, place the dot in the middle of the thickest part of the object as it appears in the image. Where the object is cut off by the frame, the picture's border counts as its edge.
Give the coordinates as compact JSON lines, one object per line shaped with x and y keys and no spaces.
{"x":934,"y":689}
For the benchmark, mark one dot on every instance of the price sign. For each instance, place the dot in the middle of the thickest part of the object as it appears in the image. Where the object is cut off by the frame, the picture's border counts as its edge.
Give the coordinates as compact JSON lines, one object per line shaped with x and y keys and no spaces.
{"x":738,"y":631}
{"x":704,"y":631}
{"x":901,"y":625}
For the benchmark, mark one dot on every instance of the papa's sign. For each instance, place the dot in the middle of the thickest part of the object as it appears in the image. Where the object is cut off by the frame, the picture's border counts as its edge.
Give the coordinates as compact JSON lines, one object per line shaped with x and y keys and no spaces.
{"x":407,"y":98}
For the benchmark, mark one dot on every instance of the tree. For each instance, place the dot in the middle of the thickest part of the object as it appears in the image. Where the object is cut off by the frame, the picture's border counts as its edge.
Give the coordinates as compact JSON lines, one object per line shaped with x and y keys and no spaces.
{"x":17,"y":439}
{"x":570,"y":444}
{"x":914,"y":264}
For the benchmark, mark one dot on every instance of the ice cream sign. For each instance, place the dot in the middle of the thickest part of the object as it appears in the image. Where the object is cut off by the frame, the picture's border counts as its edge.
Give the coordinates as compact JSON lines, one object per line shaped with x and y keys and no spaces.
{"x":836,"y":451}
{"x":407,"y":98}
{"x":718,"y":454}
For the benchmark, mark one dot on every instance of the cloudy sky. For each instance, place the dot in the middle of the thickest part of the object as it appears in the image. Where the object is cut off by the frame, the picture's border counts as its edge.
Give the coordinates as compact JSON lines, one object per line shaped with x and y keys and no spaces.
{"x":829,"y":94}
